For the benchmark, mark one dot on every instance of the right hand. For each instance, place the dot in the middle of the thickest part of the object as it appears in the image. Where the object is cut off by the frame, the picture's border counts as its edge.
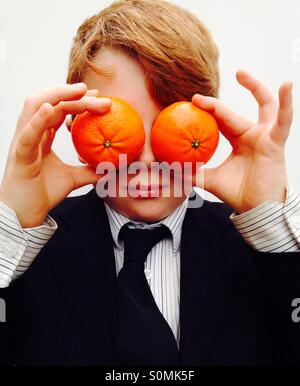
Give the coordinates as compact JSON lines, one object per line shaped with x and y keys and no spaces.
{"x":35,"y":179}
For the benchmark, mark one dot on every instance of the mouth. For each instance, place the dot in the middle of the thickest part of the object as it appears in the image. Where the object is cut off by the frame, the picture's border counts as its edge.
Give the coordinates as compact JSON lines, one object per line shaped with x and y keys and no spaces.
{"x":148,"y":188}
{"x":146,"y":191}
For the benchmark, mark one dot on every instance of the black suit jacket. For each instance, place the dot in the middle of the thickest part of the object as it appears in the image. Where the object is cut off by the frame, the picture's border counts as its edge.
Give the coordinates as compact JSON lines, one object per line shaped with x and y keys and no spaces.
{"x":235,"y":303}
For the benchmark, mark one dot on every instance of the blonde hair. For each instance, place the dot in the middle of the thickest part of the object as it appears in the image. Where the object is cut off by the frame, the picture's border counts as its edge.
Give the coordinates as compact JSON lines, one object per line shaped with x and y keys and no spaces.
{"x":174,"y":48}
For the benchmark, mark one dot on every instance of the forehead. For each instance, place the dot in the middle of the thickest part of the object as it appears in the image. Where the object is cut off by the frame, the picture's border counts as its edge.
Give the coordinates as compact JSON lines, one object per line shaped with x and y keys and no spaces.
{"x":128,"y":79}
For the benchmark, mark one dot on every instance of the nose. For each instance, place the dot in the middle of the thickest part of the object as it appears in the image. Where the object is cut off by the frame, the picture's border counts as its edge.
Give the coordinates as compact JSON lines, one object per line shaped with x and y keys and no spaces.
{"x":147,"y":156}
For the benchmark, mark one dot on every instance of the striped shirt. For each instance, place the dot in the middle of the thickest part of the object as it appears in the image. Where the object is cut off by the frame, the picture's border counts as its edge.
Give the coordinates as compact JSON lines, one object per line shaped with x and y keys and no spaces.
{"x":270,"y":227}
{"x":162,"y":267}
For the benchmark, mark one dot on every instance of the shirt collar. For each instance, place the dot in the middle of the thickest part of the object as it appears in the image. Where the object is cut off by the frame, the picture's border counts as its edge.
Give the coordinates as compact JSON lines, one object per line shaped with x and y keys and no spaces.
{"x":174,"y":222}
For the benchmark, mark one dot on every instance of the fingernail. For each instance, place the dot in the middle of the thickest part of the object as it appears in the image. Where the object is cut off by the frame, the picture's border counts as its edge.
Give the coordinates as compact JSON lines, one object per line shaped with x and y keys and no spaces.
{"x":78,"y":86}
{"x":95,"y":91}
{"x":106,"y":101}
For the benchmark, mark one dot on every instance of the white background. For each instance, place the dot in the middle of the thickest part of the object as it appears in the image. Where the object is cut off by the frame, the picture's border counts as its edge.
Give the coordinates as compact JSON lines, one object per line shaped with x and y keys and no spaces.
{"x":260,"y":36}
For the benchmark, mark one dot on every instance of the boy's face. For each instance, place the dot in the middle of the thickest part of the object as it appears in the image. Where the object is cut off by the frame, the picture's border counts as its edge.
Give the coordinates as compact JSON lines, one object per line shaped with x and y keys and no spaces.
{"x":128,"y":83}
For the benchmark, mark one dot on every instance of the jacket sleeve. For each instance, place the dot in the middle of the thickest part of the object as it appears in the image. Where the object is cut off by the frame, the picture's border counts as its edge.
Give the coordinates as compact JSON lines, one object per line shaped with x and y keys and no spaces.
{"x":279,"y":286}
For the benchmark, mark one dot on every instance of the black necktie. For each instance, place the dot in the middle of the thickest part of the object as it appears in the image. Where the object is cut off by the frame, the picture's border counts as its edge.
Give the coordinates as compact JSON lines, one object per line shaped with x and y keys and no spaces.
{"x":143,"y":335}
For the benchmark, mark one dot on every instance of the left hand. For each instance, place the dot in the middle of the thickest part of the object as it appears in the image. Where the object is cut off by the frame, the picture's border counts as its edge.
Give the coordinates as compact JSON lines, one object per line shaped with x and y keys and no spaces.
{"x":255,"y":171}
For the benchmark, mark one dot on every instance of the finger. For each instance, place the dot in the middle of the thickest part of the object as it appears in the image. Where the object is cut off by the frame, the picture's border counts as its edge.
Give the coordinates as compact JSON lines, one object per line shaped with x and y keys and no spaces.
{"x":265,"y":99}
{"x":281,"y":129}
{"x":66,"y":92}
{"x":68,"y":122}
{"x":70,"y":119}
{"x":230,"y":124}
{"x":32,"y":135}
{"x":91,"y":104}
{"x":93,"y":92}
{"x":52,"y":96}
{"x":45,"y":140}
{"x":49,"y":117}
{"x":49,"y":143}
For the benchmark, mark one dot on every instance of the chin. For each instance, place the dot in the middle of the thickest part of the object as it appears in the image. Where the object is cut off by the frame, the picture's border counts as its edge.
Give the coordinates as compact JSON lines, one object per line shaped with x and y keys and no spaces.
{"x":145,"y":209}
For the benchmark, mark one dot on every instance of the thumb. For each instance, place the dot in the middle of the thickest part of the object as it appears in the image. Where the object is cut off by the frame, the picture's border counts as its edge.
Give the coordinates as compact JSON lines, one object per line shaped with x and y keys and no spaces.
{"x":205,"y":179}
{"x":84,"y":175}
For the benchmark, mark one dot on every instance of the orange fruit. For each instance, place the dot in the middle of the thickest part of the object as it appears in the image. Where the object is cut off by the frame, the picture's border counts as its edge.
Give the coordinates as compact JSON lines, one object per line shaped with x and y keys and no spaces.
{"x":185,"y":133}
{"x":103,"y":137}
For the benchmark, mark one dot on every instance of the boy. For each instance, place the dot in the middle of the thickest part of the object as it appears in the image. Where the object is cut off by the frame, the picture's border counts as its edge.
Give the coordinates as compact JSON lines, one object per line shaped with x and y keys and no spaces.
{"x":223,"y":277}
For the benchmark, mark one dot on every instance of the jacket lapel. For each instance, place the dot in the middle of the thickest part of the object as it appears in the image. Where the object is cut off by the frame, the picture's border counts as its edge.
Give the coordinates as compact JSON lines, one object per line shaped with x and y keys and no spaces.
{"x":84,"y":266}
{"x":209,"y":268}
